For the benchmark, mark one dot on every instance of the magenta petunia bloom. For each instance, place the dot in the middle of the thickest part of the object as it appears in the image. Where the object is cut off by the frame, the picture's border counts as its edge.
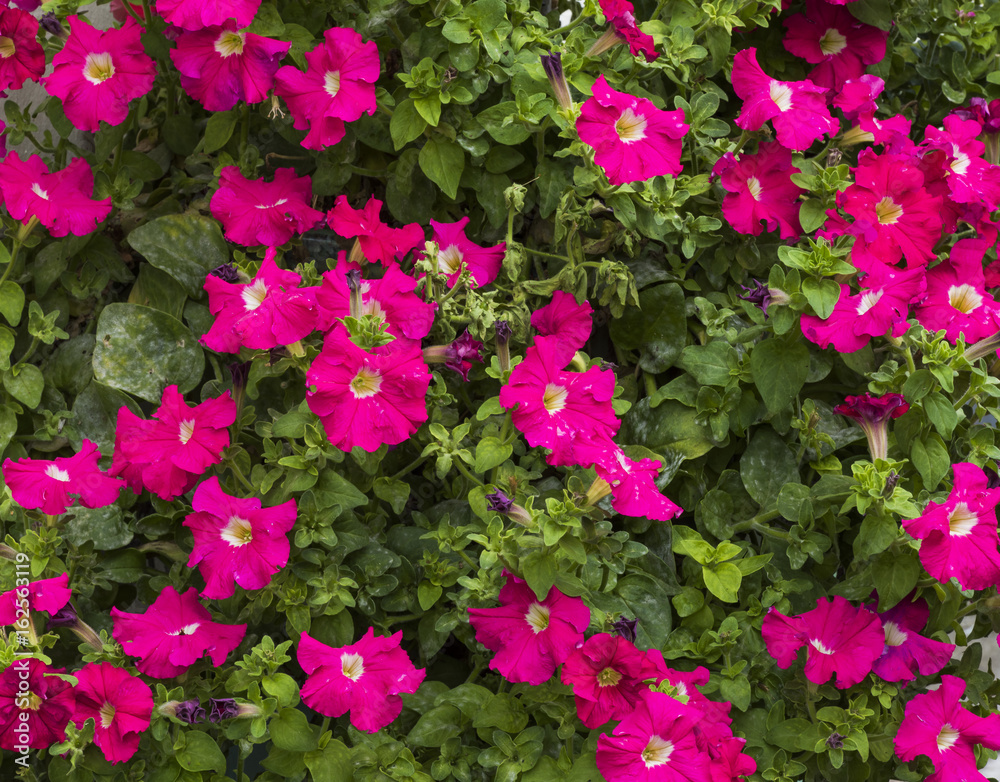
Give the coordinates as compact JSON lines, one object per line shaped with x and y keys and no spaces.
{"x":797,"y":109}
{"x":857,"y":100}
{"x":237,"y":541}
{"x":390,"y":298}
{"x":221,"y":66}
{"x":120,"y":705}
{"x":48,"y":704}
{"x":624,"y":28}
{"x":377,"y":242}
{"x":970,"y":179}
{"x":254,"y":212}
{"x":906,"y":651}
{"x":872,"y":414}
{"x":956,"y":299}
{"x":839,"y":639}
{"x":47,"y":484}
{"x":893,"y":214}
{"x":368,"y":398}
{"x":365,"y":678}
{"x":265,"y":313}
{"x":606,"y":674}
{"x":337,"y":87}
{"x":456,"y":252}
{"x":839,"y":45}
{"x":168,"y":454}
{"x":633,"y":488}
{"x":173,"y":634}
{"x":61,"y":201}
{"x":47,"y":594}
{"x":196,"y":14}
{"x":683,"y":686}
{"x":531,"y":637}
{"x":759,"y":188}
{"x":569,"y":322}
{"x":959,"y":536}
{"x":21,"y":56}
{"x":655,"y":743}
{"x":631,"y":138}
{"x":881,"y":307}
{"x":936,"y":725}
{"x":567,"y":412}
{"x":98,"y":72}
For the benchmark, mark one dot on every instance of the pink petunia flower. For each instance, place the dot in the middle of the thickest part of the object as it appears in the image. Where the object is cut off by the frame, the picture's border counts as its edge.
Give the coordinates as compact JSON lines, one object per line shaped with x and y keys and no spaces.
{"x":98,"y":72}
{"x":624,"y":29}
{"x":631,"y":138}
{"x":569,"y":322}
{"x":337,"y":87}
{"x":797,"y":109}
{"x":567,"y":412}
{"x":760,"y":188}
{"x":606,"y":674}
{"x":390,"y":298}
{"x":456,"y":252}
{"x":168,"y":454}
{"x":936,"y":725}
{"x":655,"y":743}
{"x":457,"y":355}
{"x":47,"y":702}
{"x":47,"y":484}
{"x":956,"y":298}
{"x":21,"y":56}
{"x":196,"y":14}
{"x":839,"y":639}
{"x":970,"y":178}
{"x":364,"y":678}
{"x":857,"y":100}
{"x":872,"y":414}
{"x":47,"y":594}
{"x":367,"y":398}
{"x":265,"y":313}
{"x":839,"y":45}
{"x":221,"y":66}
{"x":683,"y":686}
{"x":906,"y":651}
{"x":376,"y":241}
{"x":254,"y":212}
{"x":633,"y":488}
{"x":882,"y":306}
{"x":61,"y":201}
{"x":531,"y":637}
{"x":173,"y":634}
{"x":120,"y":705}
{"x":236,"y":541}
{"x":959,"y":536}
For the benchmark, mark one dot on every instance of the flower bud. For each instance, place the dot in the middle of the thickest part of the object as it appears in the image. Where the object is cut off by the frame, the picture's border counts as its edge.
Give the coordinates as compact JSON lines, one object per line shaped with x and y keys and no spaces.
{"x":552,"y":63}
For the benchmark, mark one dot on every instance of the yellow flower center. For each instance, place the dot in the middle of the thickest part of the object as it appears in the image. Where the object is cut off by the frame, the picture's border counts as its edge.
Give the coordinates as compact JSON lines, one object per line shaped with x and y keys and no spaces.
{"x":609,"y":677}
{"x":107,"y":714}
{"x":631,"y":126}
{"x":781,"y":94}
{"x":7,"y":47}
{"x":34,"y":701}
{"x":254,"y":295}
{"x":947,"y":738}
{"x":832,"y":42}
{"x":352,"y":665}
{"x":229,"y":44}
{"x":237,"y":532}
{"x":753,"y":185}
{"x":537,"y":617}
{"x":554,"y":398}
{"x":894,"y":635}
{"x":964,"y":298}
{"x":450,"y":259}
{"x":366,"y":383}
{"x":98,"y":67}
{"x":888,"y":211}
{"x":962,"y":520}
{"x":186,"y":431}
{"x":331,"y":83}
{"x":657,"y":752}
{"x":54,"y":472}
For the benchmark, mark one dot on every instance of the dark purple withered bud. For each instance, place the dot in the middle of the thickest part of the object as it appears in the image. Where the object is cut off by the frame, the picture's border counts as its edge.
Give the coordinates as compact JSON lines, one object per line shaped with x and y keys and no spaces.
{"x":354,"y":284}
{"x":227,"y":272}
{"x":51,"y":24}
{"x":992,"y":477}
{"x":240,"y":372}
{"x":552,"y":63}
{"x":625,"y":628}
{"x":64,"y":617}
{"x":499,"y":502}
{"x":222,"y":709}
{"x":835,"y":741}
{"x":190,"y":712}
{"x":890,"y":484}
{"x":760,"y":294}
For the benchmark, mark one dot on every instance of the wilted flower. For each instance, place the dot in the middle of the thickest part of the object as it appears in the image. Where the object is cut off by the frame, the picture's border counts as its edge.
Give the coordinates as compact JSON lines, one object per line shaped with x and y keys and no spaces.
{"x":872,"y":414}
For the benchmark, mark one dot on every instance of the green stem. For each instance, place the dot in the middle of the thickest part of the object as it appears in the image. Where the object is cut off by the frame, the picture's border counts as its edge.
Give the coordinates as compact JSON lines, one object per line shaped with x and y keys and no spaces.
{"x":31,"y":137}
{"x":966,"y":397}
{"x":245,"y":131}
{"x":325,"y":726}
{"x":761,"y":518}
{"x":239,"y":760}
{"x":241,"y":477}
{"x":468,"y":560}
{"x":565,"y":29}
{"x":555,"y":257}
{"x":30,"y":351}
{"x":131,"y":12}
{"x":409,"y":468}
{"x":368,"y":172}
{"x":650,"y":383}
{"x":465,"y":471}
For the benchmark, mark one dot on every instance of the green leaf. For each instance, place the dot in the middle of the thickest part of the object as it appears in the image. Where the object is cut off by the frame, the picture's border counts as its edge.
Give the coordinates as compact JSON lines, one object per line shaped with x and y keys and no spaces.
{"x":895,"y":575}
{"x":930,"y":457}
{"x":96,"y":413}
{"x":876,"y":534}
{"x":11,"y":302}
{"x":102,"y":526}
{"x":672,"y":428}
{"x":436,"y":726}
{"x":767,"y":465}
{"x":291,"y":730}
{"x":197,"y":751}
{"x":333,"y":763}
{"x":877,"y":13}
{"x":648,"y":597}
{"x":822,"y":295}
{"x":219,"y":130}
{"x":723,"y":581}
{"x":658,"y":326}
{"x":918,"y":385}
{"x":429,"y":108}
{"x":332,"y":490}
{"x":395,"y":492}
{"x":502,"y":123}
{"x":443,"y":162}
{"x":185,"y":246}
{"x":490,"y":453}
{"x":141,"y":350}
{"x":779,"y":370}
{"x":941,"y":413}
{"x":812,"y":214}
{"x":406,"y":123}
{"x":710,"y":364}
{"x":25,"y":383}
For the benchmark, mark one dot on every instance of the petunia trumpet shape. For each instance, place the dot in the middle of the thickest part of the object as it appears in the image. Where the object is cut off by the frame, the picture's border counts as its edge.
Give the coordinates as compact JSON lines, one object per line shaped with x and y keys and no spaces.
{"x":196,"y":14}
{"x":797,"y":109}
{"x":531,"y":637}
{"x":936,"y":725}
{"x":269,"y":311}
{"x":839,"y":639}
{"x":970,"y":179}
{"x":21,"y":56}
{"x":624,"y":29}
{"x":365,"y":678}
{"x":606,"y":674}
{"x":376,"y":241}
{"x":456,"y":253}
{"x":959,"y":536}
{"x":98,"y":72}
{"x":173,"y":634}
{"x":631,"y":138}
{"x":61,"y":201}
{"x":254,"y":212}
{"x":120,"y":705}
{"x":28,"y":687}
{"x":631,"y":485}
{"x":368,"y":398}
{"x":569,"y":322}
{"x":906,"y":652}
{"x":48,"y":484}
{"x":223,"y":65}
{"x":872,"y":414}
{"x":337,"y":87}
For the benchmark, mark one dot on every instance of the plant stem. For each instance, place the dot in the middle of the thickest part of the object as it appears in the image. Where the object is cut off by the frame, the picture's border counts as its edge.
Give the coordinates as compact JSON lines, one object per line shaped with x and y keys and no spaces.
{"x":242,"y":478}
{"x":468,"y":560}
{"x":555,"y":257}
{"x":409,"y":468}
{"x":565,"y":29}
{"x":465,"y":471}
{"x":245,"y":131}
